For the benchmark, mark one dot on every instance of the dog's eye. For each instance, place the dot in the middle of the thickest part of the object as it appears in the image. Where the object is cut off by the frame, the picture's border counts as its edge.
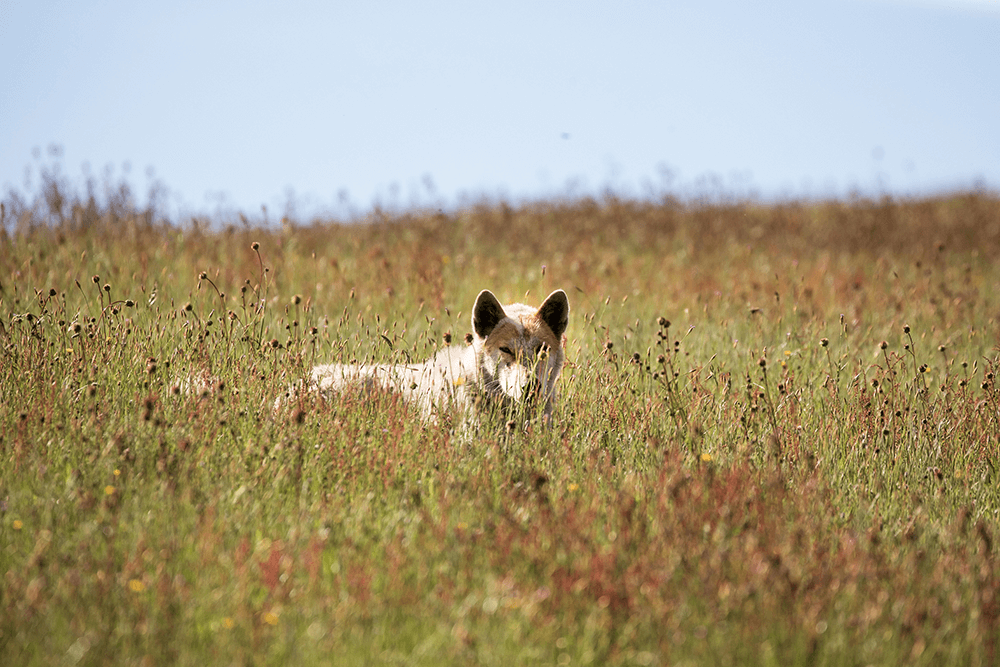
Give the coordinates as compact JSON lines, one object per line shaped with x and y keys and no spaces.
{"x":507,"y":350}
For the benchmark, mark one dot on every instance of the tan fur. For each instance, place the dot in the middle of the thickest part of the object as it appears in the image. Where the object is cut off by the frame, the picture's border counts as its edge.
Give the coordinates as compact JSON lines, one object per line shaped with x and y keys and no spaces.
{"x":513,"y":363}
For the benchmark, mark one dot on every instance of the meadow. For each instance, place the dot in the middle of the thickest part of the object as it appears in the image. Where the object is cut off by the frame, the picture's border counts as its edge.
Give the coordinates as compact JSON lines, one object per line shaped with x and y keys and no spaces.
{"x":776,"y":440}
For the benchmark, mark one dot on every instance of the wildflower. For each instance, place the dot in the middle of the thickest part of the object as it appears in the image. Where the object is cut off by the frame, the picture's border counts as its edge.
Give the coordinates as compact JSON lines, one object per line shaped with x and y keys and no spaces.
{"x":17,"y":525}
{"x":136,"y":586}
{"x":271,"y":618}
{"x":573,"y":486}
{"x":459,"y":381}
{"x":228,"y":623}
{"x":109,"y":490}
{"x":706,"y":457}
{"x":117,"y":472}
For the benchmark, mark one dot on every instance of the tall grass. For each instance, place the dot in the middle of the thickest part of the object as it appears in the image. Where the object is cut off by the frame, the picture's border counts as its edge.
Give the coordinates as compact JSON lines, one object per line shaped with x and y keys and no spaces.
{"x":776,"y":441}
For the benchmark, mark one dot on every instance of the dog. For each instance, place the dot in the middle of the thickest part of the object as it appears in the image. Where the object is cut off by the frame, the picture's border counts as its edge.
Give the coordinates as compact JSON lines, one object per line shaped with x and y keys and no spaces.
{"x":509,"y":369}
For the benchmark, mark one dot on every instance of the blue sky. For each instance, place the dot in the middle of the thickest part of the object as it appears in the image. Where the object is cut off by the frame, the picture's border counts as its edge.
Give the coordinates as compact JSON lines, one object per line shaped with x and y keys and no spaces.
{"x":334,"y":106}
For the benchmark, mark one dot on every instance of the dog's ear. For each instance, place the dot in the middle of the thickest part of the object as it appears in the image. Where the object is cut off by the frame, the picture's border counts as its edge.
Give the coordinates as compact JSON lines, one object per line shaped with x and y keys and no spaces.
{"x":555,"y":312}
{"x":486,"y":313}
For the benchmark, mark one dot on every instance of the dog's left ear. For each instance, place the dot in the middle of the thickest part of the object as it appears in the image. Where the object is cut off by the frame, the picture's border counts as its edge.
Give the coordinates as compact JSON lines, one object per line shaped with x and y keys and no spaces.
{"x":554,"y":311}
{"x":486,"y":313}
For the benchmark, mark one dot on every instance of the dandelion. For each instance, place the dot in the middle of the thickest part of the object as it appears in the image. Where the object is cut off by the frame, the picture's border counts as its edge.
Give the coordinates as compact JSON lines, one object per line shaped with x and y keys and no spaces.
{"x":17,"y":525}
{"x":136,"y":586}
{"x":706,"y":457}
{"x":573,"y":486}
{"x":117,"y":472}
{"x":228,"y":623}
{"x":109,"y":490}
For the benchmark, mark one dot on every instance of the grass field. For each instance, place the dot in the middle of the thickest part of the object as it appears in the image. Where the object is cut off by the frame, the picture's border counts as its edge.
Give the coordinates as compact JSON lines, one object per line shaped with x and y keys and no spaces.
{"x":776,"y":441}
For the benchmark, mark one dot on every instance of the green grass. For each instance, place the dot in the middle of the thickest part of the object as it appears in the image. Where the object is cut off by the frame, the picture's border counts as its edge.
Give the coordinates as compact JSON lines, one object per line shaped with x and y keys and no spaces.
{"x":776,"y":441}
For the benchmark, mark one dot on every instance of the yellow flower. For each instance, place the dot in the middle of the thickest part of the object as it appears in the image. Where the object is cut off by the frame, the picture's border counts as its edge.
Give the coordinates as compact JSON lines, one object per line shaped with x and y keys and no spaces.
{"x":17,"y":524}
{"x":706,"y":457}
{"x":117,"y":472}
{"x":109,"y":490}
{"x":271,"y":618}
{"x":573,"y":486}
{"x":228,"y":623}
{"x":136,"y":586}
{"x":459,"y":381}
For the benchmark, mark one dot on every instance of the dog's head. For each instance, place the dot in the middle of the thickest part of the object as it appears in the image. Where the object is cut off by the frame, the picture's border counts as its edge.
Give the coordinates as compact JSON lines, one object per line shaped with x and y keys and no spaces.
{"x":519,"y":348}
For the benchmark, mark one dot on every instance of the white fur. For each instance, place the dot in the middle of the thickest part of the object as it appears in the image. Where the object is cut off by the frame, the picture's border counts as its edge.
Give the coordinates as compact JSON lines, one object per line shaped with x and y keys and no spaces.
{"x":516,"y":354}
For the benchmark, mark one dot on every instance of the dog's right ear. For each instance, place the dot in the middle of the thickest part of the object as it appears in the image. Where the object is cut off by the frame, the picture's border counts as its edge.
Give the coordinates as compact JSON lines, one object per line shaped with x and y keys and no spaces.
{"x":486,"y":313}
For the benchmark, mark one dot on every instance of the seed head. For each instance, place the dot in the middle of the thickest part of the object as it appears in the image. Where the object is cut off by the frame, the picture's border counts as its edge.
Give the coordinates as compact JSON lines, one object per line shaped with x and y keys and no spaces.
{"x":297,"y":299}
{"x":52,"y":292}
{"x":447,"y":338}
{"x":255,"y":246}
{"x":663,"y":322}
{"x":107,"y":287}
{"x":883,"y":345}
{"x":824,"y":342}
{"x":202,"y":276}
{"x":906,"y":328}
{"x":608,"y":345}
{"x":636,"y":358}
{"x":96,"y":279}
{"x":468,"y":339}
